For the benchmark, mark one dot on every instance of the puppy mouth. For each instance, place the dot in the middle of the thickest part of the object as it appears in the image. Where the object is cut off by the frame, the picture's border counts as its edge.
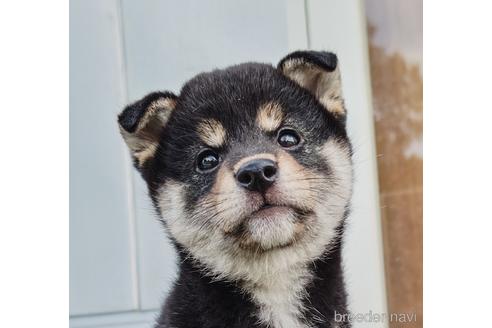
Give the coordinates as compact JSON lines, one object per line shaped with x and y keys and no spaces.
{"x":271,"y":211}
{"x":270,"y":226}
{"x":266,"y":206}
{"x":270,"y":208}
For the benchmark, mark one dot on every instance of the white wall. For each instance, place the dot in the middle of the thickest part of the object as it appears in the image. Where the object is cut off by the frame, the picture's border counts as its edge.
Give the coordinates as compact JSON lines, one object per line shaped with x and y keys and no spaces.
{"x":120,"y":262}
{"x":102,"y":272}
{"x":340,"y":26}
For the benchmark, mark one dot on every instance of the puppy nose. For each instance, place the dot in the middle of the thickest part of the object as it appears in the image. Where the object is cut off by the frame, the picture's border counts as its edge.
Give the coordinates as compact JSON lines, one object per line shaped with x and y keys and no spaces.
{"x":257,"y":174}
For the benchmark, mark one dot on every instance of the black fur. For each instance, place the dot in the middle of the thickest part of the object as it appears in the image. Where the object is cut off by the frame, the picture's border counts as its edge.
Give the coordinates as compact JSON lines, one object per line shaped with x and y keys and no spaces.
{"x":133,"y":113}
{"x":325,"y":60}
{"x":198,"y":301}
{"x":232,"y":96}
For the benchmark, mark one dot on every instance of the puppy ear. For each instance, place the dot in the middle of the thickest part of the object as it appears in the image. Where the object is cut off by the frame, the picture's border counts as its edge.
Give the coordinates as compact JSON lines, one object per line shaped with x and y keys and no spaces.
{"x":141,"y":124}
{"x":317,"y":71}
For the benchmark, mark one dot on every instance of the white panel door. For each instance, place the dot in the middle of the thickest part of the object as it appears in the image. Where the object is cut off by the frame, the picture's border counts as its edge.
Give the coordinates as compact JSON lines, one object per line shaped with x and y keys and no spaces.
{"x":168,"y":42}
{"x":340,"y":26}
{"x":101,"y":271}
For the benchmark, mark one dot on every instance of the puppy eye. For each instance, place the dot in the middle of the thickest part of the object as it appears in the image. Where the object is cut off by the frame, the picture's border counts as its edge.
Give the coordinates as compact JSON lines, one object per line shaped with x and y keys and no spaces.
{"x":207,"y":160}
{"x":288,"y":138}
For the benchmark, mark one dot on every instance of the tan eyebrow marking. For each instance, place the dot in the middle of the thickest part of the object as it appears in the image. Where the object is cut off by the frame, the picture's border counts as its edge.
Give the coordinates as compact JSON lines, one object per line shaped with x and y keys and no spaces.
{"x":212,"y":132}
{"x":270,"y":116}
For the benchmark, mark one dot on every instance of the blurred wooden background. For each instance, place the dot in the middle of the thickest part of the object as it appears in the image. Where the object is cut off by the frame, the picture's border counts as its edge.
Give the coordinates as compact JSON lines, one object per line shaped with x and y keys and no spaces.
{"x":395,"y":51}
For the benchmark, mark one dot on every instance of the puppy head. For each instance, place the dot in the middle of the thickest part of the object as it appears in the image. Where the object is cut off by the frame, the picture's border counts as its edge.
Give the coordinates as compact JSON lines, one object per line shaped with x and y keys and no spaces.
{"x":250,"y":166}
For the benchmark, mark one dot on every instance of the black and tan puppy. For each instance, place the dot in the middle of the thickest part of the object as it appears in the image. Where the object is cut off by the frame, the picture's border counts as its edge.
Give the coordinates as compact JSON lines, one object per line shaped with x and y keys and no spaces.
{"x":250,"y":171}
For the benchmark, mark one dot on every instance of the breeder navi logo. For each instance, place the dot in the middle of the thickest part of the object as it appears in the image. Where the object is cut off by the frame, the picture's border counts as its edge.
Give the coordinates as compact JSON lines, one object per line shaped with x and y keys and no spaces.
{"x":375,"y":317}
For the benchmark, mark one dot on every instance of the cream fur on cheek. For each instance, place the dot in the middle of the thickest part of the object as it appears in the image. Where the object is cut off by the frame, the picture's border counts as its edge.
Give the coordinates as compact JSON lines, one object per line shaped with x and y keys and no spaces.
{"x":275,"y":279}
